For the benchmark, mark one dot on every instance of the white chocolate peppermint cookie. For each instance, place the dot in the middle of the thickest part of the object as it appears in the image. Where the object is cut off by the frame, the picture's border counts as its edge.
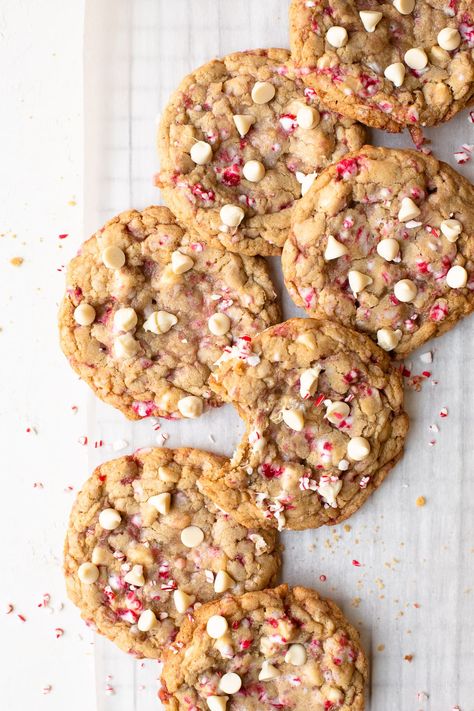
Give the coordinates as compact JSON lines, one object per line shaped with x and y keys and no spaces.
{"x":145,"y":548}
{"x":325,"y":424}
{"x":239,"y":142}
{"x":149,"y":308}
{"x":280,"y":649}
{"x":405,"y":221}
{"x":387,"y":64}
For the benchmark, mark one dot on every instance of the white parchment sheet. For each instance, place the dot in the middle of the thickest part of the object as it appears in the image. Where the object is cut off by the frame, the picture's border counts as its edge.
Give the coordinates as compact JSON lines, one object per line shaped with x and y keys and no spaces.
{"x":412,"y":595}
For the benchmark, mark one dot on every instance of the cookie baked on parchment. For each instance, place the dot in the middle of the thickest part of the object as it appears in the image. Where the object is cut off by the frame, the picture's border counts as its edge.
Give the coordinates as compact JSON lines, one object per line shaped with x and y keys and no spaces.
{"x":325,"y":422}
{"x":285,"y":648}
{"x":149,"y":308}
{"x":145,"y":548}
{"x":387,"y":64}
{"x":239,"y":141}
{"x":384,"y":243}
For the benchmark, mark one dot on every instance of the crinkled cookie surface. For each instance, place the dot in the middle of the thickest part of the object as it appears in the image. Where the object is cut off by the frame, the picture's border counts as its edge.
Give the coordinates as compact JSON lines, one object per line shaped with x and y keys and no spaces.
{"x":278,"y":649}
{"x":145,"y":548}
{"x":383,"y":243}
{"x":325,"y":424}
{"x":240,"y":118}
{"x":389,"y":65}
{"x":149,"y":308}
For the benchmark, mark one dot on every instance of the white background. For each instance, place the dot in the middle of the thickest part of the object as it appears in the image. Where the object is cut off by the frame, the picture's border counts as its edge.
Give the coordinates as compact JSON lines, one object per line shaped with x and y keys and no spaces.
{"x":77,"y":146}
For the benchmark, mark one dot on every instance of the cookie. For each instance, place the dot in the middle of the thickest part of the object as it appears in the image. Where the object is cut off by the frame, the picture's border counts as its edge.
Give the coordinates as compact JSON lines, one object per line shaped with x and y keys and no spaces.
{"x":384,"y":243}
{"x":145,"y":548}
{"x":239,"y":141}
{"x":325,"y":424}
{"x":149,"y":308}
{"x":275,"y":649}
{"x":389,"y":65}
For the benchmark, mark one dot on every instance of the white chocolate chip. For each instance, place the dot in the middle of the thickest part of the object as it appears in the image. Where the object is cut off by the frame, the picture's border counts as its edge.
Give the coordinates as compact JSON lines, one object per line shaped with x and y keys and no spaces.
{"x":395,"y":73}
{"x":231,"y":215}
{"x":263,"y":92}
{"x":296,"y":655}
{"x":126,"y":346}
{"x":337,"y":411}
{"x":190,"y":406}
{"x":336,"y":36}
{"x":223,"y":582}
{"x":100,"y":556}
{"x":192,"y":536}
{"x":216,"y":626}
{"x":135,"y":576}
{"x":408,"y":210}
{"x":268,"y":671}
{"x":88,"y":573}
{"x":358,"y":281}
{"x":243,"y":123}
{"x":404,"y":7}
{"x":449,"y":39}
{"x":219,"y":324}
{"x":224,"y":646}
{"x":334,"y":695}
{"x":358,"y":448}
{"x":201,"y":153}
{"x":217,"y":703}
{"x":308,"y":340}
{"x":456,"y":278}
{"x":416,"y":58}
{"x":147,"y":621}
{"x":388,"y":339}
{"x":180,"y":262}
{"x":253,"y":171}
{"x":161,"y":502}
{"x":181,"y":601}
{"x":334,"y":249}
{"x":84,"y":314}
{"x":370,"y":19}
{"x":388,"y":249}
{"x":167,"y":474}
{"x":160,"y":322}
{"x":113,"y":257}
{"x":125,"y":319}
{"x":307,"y":182}
{"x":309,"y":381}
{"x":109,"y":519}
{"x":294,"y":419}
{"x":230,"y":683}
{"x":307,"y":117}
{"x":451,"y":229}
{"x":405,"y":290}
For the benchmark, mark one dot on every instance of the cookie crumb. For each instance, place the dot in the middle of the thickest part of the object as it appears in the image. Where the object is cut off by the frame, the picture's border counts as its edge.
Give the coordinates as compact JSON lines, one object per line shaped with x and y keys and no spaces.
{"x":380,"y":648}
{"x":16,"y":261}
{"x":421,"y":501}
{"x":408,"y":657}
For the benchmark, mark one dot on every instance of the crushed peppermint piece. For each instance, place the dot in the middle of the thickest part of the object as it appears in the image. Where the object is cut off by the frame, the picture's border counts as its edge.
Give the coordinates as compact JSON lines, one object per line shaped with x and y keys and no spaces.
{"x":443,"y":412}
{"x":426,"y":357}
{"x":47,"y":688}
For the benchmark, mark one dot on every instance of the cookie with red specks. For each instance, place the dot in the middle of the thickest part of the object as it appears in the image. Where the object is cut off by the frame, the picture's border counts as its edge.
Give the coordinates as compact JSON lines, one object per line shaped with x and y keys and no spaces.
{"x":285,"y":648}
{"x":145,"y":548}
{"x":387,"y":64}
{"x":149,"y":308}
{"x":384,"y":243}
{"x":239,"y":142}
{"x":325,"y":424}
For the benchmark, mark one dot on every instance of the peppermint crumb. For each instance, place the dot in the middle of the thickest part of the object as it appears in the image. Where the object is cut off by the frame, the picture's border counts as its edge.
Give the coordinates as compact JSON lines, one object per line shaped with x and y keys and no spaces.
{"x":421,"y":501}
{"x":356,"y":563}
{"x":9,"y":609}
{"x":443,"y":412}
{"x":426,"y":357}
{"x":408,"y":657}
{"x":16,"y":261}
{"x":46,"y":689}
{"x":380,"y":648}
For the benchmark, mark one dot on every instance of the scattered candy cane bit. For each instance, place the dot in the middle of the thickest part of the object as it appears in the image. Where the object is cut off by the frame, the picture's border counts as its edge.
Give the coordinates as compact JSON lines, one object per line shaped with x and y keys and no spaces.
{"x":433,"y":428}
{"x":22,"y":618}
{"x":432,"y":442}
{"x":63,"y":236}
{"x":38,"y":485}
{"x":464,"y":155}
{"x":45,"y":600}
{"x":356,"y":564}
{"x":59,"y":632}
{"x":109,"y":690}
{"x":68,"y":489}
{"x":74,"y":409}
{"x":47,"y":689}
{"x":83,"y":441}
{"x":443,"y":412}
{"x":98,"y":443}
{"x":9,"y":609}
{"x":426,"y":357}
{"x":426,"y":374}
{"x":470,"y":118}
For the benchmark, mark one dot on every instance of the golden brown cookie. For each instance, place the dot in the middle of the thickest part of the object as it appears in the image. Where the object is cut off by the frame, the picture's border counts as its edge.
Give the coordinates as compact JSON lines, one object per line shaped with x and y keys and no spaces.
{"x":144,"y":548}
{"x":384,"y":243}
{"x":325,"y":424}
{"x":149,"y":308}
{"x":285,"y":648}
{"x":387,"y":64}
{"x":239,"y":141}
